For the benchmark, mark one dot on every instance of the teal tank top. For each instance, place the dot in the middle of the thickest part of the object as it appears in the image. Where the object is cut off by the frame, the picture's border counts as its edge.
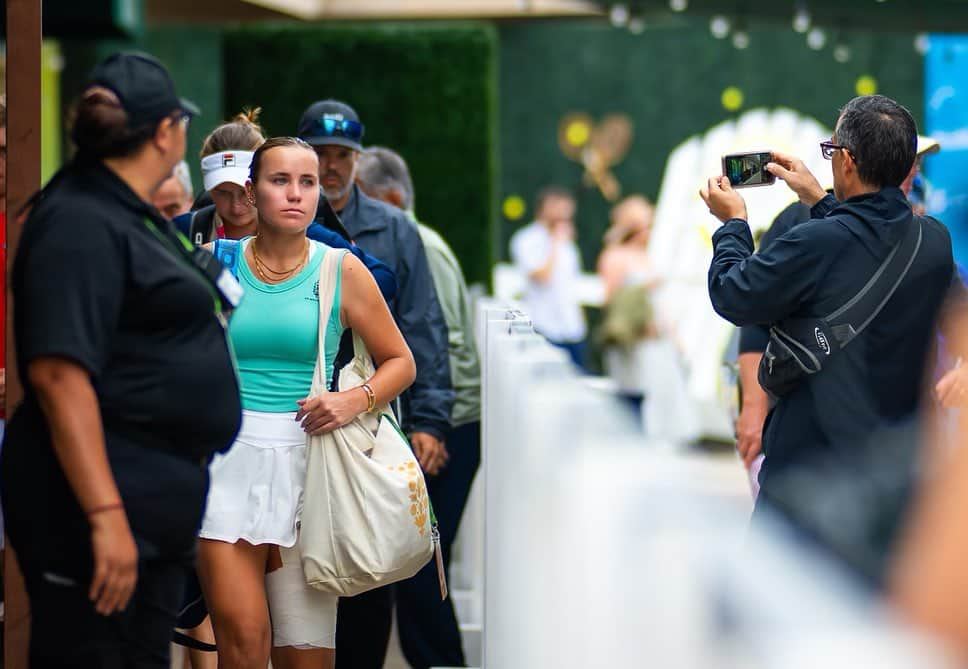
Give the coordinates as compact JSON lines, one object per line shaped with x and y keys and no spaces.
{"x":275,"y":332}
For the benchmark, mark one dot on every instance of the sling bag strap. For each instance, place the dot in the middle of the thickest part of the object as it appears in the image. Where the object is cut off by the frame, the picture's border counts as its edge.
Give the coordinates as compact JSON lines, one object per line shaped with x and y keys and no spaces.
{"x":200,"y":225}
{"x":857,"y":313}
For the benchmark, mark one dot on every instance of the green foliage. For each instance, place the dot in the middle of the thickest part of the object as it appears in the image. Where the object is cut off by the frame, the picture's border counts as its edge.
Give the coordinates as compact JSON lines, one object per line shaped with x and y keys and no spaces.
{"x":427,"y":91}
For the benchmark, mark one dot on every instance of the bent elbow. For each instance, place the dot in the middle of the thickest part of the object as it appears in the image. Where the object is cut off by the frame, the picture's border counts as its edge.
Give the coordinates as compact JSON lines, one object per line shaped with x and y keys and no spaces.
{"x":731,"y":310}
{"x":410,"y":369}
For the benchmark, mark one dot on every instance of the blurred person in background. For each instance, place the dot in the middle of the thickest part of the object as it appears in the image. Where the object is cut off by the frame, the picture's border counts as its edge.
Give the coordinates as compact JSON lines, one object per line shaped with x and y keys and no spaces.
{"x":753,"y":400}
{"x":927,"y":583}
{"x":334,"y":130}
{"x":545,"y":252}
{"x":637,"y":355}
{"x":624,"y":260}
{"x":226,"y":154}
{"x":120,"y":340}
{"x":428,"y":629}
{"x":174,"y":196}
{"x":249,"y":560}
{"x":818,"y":434}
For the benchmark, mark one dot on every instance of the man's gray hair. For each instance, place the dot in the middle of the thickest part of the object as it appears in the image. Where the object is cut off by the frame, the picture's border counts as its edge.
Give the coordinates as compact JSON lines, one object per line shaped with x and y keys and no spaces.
{"x":184,"y":176}
{"x":382,"y":170}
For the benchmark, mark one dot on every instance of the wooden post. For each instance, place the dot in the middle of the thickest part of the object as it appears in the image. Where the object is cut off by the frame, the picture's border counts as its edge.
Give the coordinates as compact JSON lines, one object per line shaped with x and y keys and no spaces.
{"x":24,"y":36}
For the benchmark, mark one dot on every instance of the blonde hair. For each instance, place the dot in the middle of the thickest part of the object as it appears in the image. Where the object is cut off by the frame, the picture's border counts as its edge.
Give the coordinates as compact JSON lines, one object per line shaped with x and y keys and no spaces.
{"x":242,"y":133}
{"x":621,"y":231}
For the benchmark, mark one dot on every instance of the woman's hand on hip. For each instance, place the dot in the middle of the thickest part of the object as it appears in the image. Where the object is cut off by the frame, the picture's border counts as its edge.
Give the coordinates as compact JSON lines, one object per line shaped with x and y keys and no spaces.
{"x":115,"y":561}
{"x":326,"y":412}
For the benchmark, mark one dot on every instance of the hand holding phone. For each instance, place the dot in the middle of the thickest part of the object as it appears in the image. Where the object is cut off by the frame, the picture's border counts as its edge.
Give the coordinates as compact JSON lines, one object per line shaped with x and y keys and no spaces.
{"x":748,"y":169}
{"x":724,"y":203}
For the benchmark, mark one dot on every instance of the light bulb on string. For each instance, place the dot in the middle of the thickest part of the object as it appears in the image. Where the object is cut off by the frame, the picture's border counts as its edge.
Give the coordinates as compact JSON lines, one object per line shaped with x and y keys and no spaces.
{"x":678,"y":5}
{"x":801,"y":19}
{"x":741,"y":38}
{"x":922,"y":43}
{"x":636,"y":25}
{"x":719,"y":26}
{"x":841,"y":52}
{"x":816,"y":39}
{"x":619,"y":15}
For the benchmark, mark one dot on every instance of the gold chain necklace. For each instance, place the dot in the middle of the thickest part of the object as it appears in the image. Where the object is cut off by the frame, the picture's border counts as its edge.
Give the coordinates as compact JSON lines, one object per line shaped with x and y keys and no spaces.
{"x":264,"y":271}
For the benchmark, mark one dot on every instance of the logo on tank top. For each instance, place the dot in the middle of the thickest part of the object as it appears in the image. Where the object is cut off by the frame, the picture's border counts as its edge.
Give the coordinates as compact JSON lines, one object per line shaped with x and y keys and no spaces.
{"x":315,"y":295}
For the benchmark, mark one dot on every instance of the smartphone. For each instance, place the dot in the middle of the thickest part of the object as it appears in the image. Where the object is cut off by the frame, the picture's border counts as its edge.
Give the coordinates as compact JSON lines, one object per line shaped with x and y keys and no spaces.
{"x":748,"y":169}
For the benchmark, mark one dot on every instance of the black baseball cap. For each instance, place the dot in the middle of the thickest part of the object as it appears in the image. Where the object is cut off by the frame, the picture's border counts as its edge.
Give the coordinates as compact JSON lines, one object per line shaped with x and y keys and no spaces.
{"x":143,"y":86}
{"x":331,"y":122}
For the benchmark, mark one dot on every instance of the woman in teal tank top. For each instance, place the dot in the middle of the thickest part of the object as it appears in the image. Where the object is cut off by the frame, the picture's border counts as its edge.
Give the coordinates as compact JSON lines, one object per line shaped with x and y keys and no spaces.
{"x":249,"y":561}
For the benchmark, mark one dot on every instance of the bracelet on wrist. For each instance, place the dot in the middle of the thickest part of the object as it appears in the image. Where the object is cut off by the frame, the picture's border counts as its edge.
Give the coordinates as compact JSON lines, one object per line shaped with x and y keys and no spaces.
{"x":370,"y":397}
{"x":104,"y":507}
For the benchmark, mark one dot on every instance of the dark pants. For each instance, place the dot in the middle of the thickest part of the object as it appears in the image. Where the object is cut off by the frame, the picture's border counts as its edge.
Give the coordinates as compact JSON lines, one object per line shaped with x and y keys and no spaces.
{"x":66,"y":631}
{"x":363,"y":629}
{"x":575,"y":350}
{"x":429,"y":634}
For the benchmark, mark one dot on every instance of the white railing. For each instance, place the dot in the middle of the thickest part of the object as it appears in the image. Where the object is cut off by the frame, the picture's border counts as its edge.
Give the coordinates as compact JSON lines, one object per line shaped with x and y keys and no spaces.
{"x":602,"y":550}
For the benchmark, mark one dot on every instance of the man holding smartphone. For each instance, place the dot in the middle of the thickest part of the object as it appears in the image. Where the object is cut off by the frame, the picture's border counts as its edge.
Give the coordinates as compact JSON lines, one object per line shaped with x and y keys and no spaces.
{"x":754,"y":403}
{"x":817,"y":433}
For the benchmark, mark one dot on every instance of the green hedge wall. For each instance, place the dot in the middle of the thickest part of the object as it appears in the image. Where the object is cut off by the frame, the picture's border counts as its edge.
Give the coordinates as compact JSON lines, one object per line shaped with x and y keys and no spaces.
{"x":427,"y":91}
{"x":193,"y":55}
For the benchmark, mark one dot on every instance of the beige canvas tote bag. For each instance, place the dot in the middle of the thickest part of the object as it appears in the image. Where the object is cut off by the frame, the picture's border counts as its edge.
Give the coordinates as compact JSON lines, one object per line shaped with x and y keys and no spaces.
{"x":366,"y":518}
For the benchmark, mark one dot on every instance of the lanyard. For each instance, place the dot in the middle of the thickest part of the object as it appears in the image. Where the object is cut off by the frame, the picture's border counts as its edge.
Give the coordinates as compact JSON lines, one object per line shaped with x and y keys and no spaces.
{"x":183,"y":249}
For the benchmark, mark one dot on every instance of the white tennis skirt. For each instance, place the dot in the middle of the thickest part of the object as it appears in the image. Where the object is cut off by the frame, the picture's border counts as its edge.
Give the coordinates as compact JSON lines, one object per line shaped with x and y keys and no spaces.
{"x":256,"y":489}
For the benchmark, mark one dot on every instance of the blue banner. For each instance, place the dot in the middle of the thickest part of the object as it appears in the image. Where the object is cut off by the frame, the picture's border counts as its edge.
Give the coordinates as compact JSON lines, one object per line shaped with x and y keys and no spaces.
{"x":946,"y":120}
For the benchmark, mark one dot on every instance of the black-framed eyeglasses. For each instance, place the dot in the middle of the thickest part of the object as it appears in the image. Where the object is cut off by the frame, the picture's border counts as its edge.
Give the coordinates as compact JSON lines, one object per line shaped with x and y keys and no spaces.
{"x":828,"y":149}
{"x":331,"y":127}
{"x":182,"y":117}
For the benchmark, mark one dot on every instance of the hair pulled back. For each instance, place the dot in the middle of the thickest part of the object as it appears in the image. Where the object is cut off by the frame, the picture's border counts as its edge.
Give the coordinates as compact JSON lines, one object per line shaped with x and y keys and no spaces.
{"x":242,"y":133}
{"x":99,"y":126}
{"x":274,"y":143}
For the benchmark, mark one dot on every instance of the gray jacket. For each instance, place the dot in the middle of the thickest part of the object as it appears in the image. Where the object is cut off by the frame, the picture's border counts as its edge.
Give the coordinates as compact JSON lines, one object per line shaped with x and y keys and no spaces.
{"x":388,"y":233}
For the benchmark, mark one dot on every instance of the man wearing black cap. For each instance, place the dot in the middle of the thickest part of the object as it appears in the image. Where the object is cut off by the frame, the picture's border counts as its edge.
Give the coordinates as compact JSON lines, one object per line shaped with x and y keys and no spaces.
{"x":333,"y":128}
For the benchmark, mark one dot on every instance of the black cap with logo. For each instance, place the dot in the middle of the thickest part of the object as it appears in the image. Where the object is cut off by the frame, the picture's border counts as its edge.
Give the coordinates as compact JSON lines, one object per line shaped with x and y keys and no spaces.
{"x":331,"y":122}
{"x":143,"y":86}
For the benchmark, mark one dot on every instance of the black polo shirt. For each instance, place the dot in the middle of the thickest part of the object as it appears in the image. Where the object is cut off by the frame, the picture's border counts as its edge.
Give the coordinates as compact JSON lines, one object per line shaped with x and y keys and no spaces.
{"x":93,"y":284}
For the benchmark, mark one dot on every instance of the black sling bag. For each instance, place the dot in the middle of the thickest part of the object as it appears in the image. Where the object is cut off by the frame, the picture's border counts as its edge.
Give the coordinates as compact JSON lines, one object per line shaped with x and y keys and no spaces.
{"x":799,"y":347}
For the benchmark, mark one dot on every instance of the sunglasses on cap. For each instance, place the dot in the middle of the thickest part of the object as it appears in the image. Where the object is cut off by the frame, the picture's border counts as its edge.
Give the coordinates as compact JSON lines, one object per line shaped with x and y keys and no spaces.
{"x":331,"y":127}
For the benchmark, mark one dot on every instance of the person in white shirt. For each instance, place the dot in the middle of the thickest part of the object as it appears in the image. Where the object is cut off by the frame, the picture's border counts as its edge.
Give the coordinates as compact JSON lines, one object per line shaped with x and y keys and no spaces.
{"x":545,"y":252}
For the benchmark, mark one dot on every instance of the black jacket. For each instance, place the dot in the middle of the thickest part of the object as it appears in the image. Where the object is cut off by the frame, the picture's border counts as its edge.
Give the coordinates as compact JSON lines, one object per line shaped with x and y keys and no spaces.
{"x":874,"y":384}
{"x":388,"y":233}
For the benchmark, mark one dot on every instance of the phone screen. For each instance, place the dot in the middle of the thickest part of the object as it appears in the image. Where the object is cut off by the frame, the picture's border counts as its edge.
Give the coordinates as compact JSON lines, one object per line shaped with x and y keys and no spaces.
{"x":748,"y":169}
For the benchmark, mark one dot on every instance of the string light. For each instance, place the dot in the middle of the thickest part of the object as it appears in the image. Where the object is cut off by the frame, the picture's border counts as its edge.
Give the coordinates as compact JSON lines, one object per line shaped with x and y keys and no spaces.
{"x":678,"y":5}
{"x":637,"y":25}
{"x":741,"y":38}
{"x":801,"y":18}
{"x":619,"y":15}
{"x":816,"y":39}
{"x":719,"y":26}
{"x":922,"y":43}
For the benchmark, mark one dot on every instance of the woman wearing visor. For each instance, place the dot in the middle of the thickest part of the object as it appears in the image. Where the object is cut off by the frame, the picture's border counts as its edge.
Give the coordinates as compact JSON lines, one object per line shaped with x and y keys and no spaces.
{"x":129,"y":386}
{"x":226,"y":156}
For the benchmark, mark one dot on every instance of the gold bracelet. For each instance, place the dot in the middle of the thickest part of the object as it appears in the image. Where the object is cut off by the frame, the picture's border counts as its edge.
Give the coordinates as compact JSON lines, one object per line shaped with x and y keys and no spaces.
{"x":370,"y":397}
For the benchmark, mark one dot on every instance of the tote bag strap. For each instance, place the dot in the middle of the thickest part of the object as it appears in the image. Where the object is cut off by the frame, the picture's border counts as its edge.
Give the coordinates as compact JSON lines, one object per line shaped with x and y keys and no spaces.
{"x":332,"y":264}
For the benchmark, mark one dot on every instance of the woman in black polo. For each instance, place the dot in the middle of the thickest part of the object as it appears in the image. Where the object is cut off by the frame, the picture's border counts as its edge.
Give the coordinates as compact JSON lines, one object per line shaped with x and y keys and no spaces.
{"x":129,"y":384}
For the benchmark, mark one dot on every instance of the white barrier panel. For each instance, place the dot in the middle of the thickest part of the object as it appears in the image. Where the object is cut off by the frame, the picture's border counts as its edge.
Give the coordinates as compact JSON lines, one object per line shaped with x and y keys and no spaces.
{"x":602,"y":550}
